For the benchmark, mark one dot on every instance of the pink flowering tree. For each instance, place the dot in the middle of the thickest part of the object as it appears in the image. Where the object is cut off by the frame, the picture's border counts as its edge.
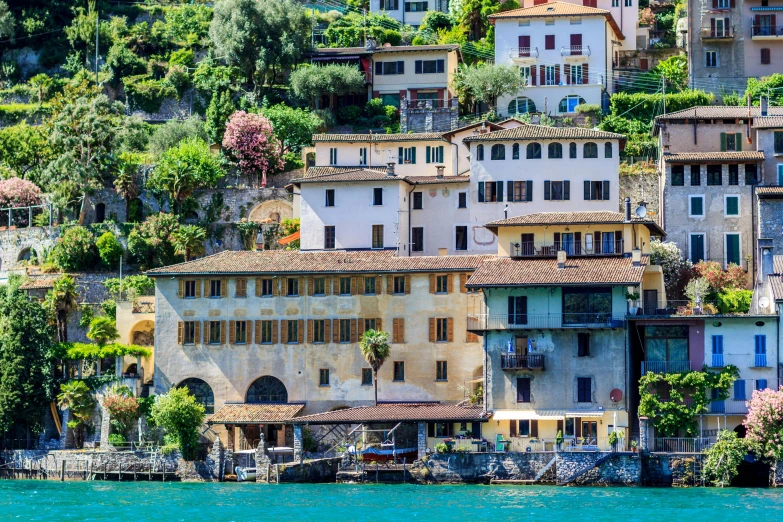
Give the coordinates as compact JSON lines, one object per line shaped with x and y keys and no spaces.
{"x":250,"y":141}
{"x":764,"y":424}
{"x":17,"y":192}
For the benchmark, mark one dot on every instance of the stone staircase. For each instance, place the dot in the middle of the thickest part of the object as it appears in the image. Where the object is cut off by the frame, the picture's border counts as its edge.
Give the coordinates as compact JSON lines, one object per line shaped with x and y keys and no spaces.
{"x":584,"y":470}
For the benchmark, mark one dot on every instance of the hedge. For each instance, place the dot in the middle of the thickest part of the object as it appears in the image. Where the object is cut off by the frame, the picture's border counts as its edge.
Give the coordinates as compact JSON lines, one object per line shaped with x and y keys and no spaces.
{"x":645,"y":107}
{"x":83,"y":351}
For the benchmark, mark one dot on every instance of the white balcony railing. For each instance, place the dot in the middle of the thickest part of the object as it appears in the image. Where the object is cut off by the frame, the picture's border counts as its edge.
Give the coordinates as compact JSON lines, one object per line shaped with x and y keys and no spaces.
{"x":666,"y":366}
{"x":537,"y":321}
{"x":523,"y":52}
{"x":575,"y":50}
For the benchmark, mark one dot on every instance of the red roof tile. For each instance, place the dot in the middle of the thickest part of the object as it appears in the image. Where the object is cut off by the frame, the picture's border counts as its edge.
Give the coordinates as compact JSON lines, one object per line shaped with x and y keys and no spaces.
{"x":542,"y":132}
{"x":750,"y":155}
{"x":255,"y":413}
{"x":396,"y":413}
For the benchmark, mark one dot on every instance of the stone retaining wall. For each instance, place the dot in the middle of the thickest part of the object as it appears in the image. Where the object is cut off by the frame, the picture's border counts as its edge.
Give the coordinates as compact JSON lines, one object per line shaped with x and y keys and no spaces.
{"x":604,"y":469}
{"x":482,"y":467}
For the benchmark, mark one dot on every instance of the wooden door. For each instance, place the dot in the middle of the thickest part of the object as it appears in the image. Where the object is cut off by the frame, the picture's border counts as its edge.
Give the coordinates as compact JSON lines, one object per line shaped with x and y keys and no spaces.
{"x":650,"y":302}
{"x":521,"y":346}
{"x":528,"y":246}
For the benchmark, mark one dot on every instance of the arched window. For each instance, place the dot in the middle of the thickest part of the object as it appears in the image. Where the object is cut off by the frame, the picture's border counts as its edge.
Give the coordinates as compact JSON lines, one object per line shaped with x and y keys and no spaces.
{"x":498,"y":152}
{"x":267,"y":389}
{"x":572,"y":150}
{"x":607,"y":150}
{"x":202,"y":392}
{"x":555,"y":151}
{"x":533,"y":151}
{"x":480,"y":152}
{"x":591,"y":150}
{"x":569,"y":103}
{"x":521,"y":105}
{"x":515,"y":151}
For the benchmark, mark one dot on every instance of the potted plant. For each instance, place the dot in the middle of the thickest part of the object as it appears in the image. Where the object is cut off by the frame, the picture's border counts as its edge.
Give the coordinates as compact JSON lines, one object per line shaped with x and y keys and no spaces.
{"x":559,"y":440}
{"x":613,"y":438}
{"x":632,"y":297}
{"x":634,"y":446}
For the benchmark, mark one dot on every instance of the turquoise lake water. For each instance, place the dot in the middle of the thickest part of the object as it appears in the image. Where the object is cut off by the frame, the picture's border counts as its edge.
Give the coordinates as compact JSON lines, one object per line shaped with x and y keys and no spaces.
{"x":40,"y":500}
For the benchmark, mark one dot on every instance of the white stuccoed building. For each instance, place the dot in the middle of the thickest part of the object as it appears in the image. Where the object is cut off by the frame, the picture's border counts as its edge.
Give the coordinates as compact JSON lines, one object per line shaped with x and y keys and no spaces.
{"x":408,"y":12}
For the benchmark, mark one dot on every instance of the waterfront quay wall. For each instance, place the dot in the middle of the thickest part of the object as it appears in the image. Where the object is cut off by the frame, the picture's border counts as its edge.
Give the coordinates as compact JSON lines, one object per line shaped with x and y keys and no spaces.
{"x":483,"y":468}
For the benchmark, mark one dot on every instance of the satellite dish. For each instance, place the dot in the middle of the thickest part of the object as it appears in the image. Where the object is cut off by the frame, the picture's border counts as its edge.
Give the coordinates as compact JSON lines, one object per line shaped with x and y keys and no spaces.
{"x":764,"y":302}
{"x":641,"y":211}
{"x":616,"y":395}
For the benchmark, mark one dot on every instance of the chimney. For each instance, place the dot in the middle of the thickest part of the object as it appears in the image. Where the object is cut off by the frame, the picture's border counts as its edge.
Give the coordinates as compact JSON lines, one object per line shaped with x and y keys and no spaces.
{"x":764,"y":104}
{"x":440,"y":169}
{"x":561,"y":259}
{"x":390,"y":169}
{"x":627,"y":210}
{"x":636,"y":257}
{"x":443,"y":251}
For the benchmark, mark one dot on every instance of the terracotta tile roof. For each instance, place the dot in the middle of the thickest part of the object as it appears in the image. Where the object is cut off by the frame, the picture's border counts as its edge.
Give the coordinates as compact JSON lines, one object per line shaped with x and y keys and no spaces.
{"x":319,"y":262}
{"x":488,"y":124}
{"x":777,"y":264}
{"x":541,"y":132}
{"x":770,"y":192}
{"x":358,"y":138}
{"x":326,"y":51}
{"x":503,"y":271}
{"x":255,"y":413}
{"x":750,"y":155}
{"x":708,"y":112}
{"x":435,"y":180}
{"x":325,"y":171}
{"x":572,"y":218}
{"x":557,"y":9}
{"x":37,"y":283}
{"x":776,"y":281}
{"x":329,"y":174}
{"x":396,"y":413}
{"x":768,"y":122}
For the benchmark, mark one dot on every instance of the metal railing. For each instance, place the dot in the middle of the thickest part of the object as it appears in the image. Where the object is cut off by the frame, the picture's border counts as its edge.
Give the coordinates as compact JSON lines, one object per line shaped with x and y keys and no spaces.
{"x":523,"y":52}
{"x":666,"y":366}
{"x":760,"y":360}
{"x":571,"y":444}
{"x":426,"y":103}
{"x":669,"y":308}
{"x":538,"y":321}
{"x":717,"y":33}
{"x":575,"y":50}
{"x":571,"y":248}
{"x":143,"y":307}
{"x":729,"y":406}
{"x":680,"y":444}
{"x":522,"y":362}
{"x":766,"y":30}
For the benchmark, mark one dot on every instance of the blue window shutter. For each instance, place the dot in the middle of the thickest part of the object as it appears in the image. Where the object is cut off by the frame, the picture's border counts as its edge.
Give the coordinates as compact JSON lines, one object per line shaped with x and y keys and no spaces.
{"x":500,"y":191}
{"x":400,"y":67}
{"x":761,"y":384}
{"x":714,"y":344}
{"x":417,"y":67}
{"x":428,"y":154}
{"x":400,"y":154}
{"x":529,"y":190}
{"x":481,"y":192}
{"x":739,"y":390}
{"x":511,"y":191}
{"x":547,"y":185}
{"x":566,"y":190}
{"x":606,"y":190}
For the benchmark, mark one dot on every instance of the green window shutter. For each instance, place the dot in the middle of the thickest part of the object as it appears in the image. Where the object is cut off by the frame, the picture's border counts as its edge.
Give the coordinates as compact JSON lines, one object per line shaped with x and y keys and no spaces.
{"x":723,"y":142}
{"x":780,"y":174}
{"x":732,"y":249}
{"x":739,"y":142}
{"x":529,"y":190}
{"x":499,"y":186}
{"x":566,"y":190}
{"x":440,"y":153}
{"x":481,"y":192}
{"x":510,"y":191}
{"x":732,"y":206}
{"x":428,"y":154}
{"x":587,"y":190}
{"x":400,"y":157}
{"x":547,"y":185}
{"x":413,"y":155}
{"x":606,"y":190}
{"x":697,"y":206}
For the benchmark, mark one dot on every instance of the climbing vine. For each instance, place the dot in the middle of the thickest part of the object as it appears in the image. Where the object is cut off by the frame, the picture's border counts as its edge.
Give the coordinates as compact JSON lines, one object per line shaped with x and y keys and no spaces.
{"x":674,"y":414}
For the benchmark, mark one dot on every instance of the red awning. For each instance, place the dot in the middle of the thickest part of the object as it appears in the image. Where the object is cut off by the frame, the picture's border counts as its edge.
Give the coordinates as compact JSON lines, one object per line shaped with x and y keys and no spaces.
{"x":289,"y":239}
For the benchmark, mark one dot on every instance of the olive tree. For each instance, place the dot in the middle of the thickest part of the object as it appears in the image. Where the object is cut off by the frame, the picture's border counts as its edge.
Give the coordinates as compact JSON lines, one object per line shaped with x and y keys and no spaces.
{"x":486,"y":82}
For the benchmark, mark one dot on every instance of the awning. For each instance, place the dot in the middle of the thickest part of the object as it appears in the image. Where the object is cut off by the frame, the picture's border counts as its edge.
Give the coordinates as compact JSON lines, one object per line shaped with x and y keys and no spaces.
{"x":290,"y":238}
{"x":528,"y":415}
{"x":255,"y":413}
{"x":586,"y":413}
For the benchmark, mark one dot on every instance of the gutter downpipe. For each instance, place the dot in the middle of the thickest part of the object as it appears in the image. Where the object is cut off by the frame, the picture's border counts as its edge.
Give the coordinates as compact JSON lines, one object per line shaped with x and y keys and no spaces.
{"x":410,"y":221}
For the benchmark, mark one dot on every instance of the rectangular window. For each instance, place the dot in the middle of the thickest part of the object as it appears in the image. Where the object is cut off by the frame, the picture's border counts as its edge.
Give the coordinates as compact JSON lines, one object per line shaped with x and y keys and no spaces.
{"x":399,"y":370}
{"x":576,"y":75}
{"x":523,"y":389}
{"x":732,"y":206}
{"x":711,"y":58}
{"x":733,"y":174}
{"x":461,"y":238}
{"x":377,"y":196}
{"x":596,"y":190}
{"x":377,"y":236}
{"x":733,"y":254}
{"x":292,"y":289}
{"x":266,"y":332}
{"x":584,"y":392}
{"x":189,"y":332}
{"x":345,"y":331}
{"x":366,"y":376}
{"x":430,"y":66}
{"x":695,"y":175}
{"x":387,"y":68}
{"x":760,"y":351}
{"x":415,"y":7}
{"x":523,"y":427}
{"x":442,"y":330}
{"x":319,"y":331}
{"x":241,"y":288}
{"x":441,"y":371}
{"x":587,"y":305}
{"x":615,"y":3}
{"x":214,"y":332}
{"x":370,"y":324}
{"x":333,"y":156}
{"x":363,"y":156}
{"x":557,"y":190}
{"x":549,"y":75}
{"x":628,"y":3}
{"x":390,"y":5}
{"x":583,"y":344}
{"x":761,"y":384}
{"x":750,"y":174}
{"x":406,"y":155}
{"x":717,"y":351}
{"x":517,"y":309}
{"x":369,"y":286}
{"x":549,"y":42}
{"x":190,"y":289}
{"x":434,"y":154}
{"x":490,"y":191}
{"x":442,"y":284}
{"x":319,"y":286}
{"x":678,"y":175}
{"x":418,"y":201}
{"x":215,"y":288}
{"x":417,"y":239}
{"x":240,"y":332}
{"x":399,"y":284}
{"x":697,"y":248}
{"x":714,"y":175}
{"x":778,"y":140}
{"x":329,"y":198}
{"x":519,"y":191}
{"x":323,"y":377}
{"x":292,"y":331}
{"x":345,"y":286}
{"x":766,"y":56}
{"x":329,"y":239}
{"x":696,"y":206}
{"x":462,"y":200}
{"x":266,"y":287}
{"x":731,"y":141}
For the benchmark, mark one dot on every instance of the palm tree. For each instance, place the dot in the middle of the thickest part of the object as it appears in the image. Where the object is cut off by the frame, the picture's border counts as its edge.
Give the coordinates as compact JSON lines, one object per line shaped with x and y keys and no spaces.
{"x":61,"y":300}
{"x":75,"y":396}
{"x":375,"y":348}
{"x":125,"y":182}
{"x":189,"y":241}
{"x":103,"y":330}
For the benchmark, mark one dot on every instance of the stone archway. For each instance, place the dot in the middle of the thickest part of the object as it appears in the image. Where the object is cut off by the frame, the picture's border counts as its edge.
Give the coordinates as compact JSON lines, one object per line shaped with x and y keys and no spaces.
{"x":272,"y":211}
{"x":267,"y":390}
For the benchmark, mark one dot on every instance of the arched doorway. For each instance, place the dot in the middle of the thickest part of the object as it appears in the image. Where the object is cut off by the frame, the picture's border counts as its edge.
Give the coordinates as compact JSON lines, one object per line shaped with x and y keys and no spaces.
{"x":202,"y":392}
{"x":24,"y":255}
{"x":267,"y":390}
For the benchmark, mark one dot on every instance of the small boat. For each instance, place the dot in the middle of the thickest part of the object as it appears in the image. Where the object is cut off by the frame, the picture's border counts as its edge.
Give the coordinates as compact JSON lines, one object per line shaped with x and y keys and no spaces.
{"x":245,"y":474}
{"x":384,"y":455}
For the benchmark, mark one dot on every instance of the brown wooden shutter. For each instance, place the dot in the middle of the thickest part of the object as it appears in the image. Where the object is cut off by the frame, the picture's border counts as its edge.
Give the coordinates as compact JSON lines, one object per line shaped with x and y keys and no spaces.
{"x":197,"y":332}
{"x":274,"y":331}
{"x":222,"y":332}
{"x":577,"y":426}
{"x":407,"y":284}
{"x":470,"y":337}
{"x":560,"y":426}
{"x":336,"y":330}
{"x":542,"y":72}
{"x":353,"y":285}
{"x":275,"y":289}
{"x":199,"y":283}
{"x":450,"y":326}
{"x":585,"y":74}
{"x":180,"y":332}
{"x":284,"y":290}
{"x":258,"y":332}
{"x":206,"y":332}
{"x":258,"y":287}
{"x":301,"y":285}
{"x":360,"y":287}
{"x":395,"y":330}
{"x":450,"y":283}
{"x":353,"y":331}
{"x":327,"y":330}
{"x":379,"y":324}
{"x":390,"y":284}
{"x":432,"y":283}
{"x":232,"y":332}
{"x":512,"y":428}
{"x":534,"y":428}
{"x":401,"y":329}
{"x":223,"y":287}
{"x":378,"y":285}
{"x":328,"y":285}
{"x":360,"y":328}
{"x":181,"y":289}
{"x":463,"y":280}
{"x":300,"y":331}
{"x":309,"y":331}
{"x":310,"y":285}
{"x":432,"y":329}
{"x":557,"y":74}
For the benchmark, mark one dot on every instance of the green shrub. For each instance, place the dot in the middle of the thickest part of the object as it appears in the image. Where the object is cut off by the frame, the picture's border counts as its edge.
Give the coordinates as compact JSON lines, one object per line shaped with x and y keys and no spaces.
{"x":181,"y":416}
{"x":184,"y":57}
{"x":122,"y":62}
{"x":348,"y":113}
{"x":109,"y":249}
{"x":117,"y":439}
{"x":293,"y":161}
{"x":14,"y":113}
{"x":74,"y":250}
{"x":374,"y":107}
{"x":734,"y":301}
{"x":178,"y":77}
{"x":640,"y":106}
{"x":147,"y":94}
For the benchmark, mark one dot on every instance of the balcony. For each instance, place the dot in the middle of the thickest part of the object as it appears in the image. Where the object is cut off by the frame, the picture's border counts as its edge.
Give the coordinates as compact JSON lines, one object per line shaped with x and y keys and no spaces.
{"x":522,"y":249}
{"x":729,"y":407}
{"x":575,"y":51}
{"x":681,"y":308}
{"x":522,"y":362}
{"x":523,"y":54}
{"x":766,"y":32}
{"x":485,"y":322}
{"x":715,"y":33}
{"x":666,"y":366}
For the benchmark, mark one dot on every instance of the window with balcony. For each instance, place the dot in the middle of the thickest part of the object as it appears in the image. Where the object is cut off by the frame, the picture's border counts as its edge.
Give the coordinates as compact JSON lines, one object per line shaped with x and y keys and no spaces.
{"x":666,"y":349}
{"x":575,"y":75}
{"x":760,"y":351}
{"x":550,"y":75}
{"x":587,"y":305}
{"x":517,"y":309}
